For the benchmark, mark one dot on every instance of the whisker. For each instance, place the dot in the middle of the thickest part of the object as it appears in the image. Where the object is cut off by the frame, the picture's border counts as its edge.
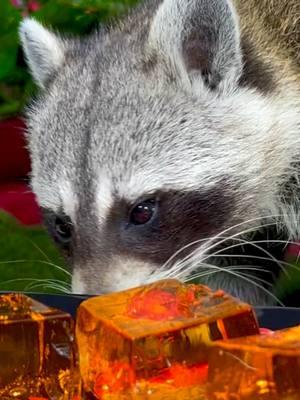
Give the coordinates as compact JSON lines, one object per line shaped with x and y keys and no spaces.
{"x":181,"y":264}
{"x":288,"y":265}
{"x":53,"y":280}
{"x":38,"y":248}
{"x":42,"y":282}
{"x":37,"y":261}
{"x":34,"y":283}
{"x":187,"y":260}
{"x":204,"y":273}
{"x":18,"y":280}
{"x":50,"y":286}
{"x":257,"y":258}
{"x":221,"y":235}
{"x":254,"y":244}
{"x":270,"y":294}
{"x":224,"y":239}
{"x":238,"y":268}
{"x":209,"y":273}
{"x":241,"y":361}
{"x":257,"y":278}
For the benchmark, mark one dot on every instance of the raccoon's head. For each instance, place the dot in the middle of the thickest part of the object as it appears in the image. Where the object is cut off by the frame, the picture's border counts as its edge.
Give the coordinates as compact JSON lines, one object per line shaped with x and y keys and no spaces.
{"x":145,"y":145}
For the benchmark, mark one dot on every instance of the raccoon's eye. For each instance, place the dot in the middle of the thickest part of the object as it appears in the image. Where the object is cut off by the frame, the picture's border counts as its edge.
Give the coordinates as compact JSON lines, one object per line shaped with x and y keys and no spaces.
{"x":143,"y":212}
{"x":63,"y":229}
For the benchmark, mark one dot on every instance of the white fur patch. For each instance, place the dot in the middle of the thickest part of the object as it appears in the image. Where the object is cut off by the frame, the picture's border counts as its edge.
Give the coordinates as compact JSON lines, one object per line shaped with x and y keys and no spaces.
{"x":78,"y":286}
{"x":104,"y":199}
{"x":61,"y":197}
{"x":69,"y":200}
{"x":43,"y":49}
{"x":46,"y":196}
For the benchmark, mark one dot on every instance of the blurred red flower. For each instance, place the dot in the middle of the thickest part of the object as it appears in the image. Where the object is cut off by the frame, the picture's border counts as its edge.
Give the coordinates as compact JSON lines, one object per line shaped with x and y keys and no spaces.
{"x":27,"y":7}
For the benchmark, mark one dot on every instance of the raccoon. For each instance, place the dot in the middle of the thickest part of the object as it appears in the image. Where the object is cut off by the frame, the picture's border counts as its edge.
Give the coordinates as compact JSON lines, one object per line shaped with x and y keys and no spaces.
{"x":166,"y":144}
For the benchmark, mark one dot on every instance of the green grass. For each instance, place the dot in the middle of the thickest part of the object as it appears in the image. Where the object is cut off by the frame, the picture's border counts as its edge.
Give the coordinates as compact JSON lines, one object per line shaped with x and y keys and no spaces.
{"x":28,"y":259}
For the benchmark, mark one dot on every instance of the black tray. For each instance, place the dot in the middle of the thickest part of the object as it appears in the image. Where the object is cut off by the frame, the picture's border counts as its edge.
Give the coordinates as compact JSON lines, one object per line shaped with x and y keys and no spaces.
{"x":269,"y":317}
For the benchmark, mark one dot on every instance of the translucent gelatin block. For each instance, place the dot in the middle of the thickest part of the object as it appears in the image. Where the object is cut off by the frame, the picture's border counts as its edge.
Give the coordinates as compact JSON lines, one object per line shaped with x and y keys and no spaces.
{"x":37,"y":353}
{"x":153,"y":340}
{"x":265,"y":367}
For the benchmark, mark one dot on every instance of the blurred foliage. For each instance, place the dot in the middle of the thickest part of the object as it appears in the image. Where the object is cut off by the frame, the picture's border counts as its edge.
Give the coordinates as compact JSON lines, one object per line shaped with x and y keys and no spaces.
{"x":29,"y":261}
{"x":77,"y":17}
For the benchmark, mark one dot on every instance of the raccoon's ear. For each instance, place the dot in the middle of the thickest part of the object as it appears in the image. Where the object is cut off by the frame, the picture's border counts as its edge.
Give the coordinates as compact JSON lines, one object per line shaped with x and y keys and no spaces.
{"x":44,"y":51}
{"x":199,"y":40}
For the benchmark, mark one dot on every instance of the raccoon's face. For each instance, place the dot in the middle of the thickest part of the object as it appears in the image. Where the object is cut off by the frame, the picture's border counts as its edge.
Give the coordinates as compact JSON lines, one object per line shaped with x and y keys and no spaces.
{"x":145,"y":147}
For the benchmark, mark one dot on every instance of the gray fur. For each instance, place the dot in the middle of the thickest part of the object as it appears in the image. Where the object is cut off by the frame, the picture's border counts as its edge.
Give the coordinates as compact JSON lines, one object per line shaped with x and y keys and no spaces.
{"x":154,"y":106}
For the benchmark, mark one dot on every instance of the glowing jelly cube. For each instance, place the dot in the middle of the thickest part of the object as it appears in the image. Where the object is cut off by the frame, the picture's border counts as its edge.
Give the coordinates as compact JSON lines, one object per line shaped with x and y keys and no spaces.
{"x":265,"y":367}
{"x":153,"y":340}
{"x":37,"y":358}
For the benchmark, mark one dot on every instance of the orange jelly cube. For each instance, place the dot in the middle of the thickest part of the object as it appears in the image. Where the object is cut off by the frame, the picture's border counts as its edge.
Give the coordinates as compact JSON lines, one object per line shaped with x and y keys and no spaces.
{"x":265,"y":367}
{"x":152,"y":341}
{"x":37,"y":350}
